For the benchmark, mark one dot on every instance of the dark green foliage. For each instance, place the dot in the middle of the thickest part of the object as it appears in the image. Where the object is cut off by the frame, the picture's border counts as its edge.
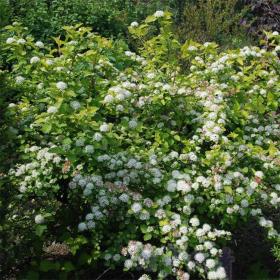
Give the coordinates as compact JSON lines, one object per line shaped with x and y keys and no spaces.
{"x":110,"y":18}
{"x":5,"y":12}
{"x":45,"y":18}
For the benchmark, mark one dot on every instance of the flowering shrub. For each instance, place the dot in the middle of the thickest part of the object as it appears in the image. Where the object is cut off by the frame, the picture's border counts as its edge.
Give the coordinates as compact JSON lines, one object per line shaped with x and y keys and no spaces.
{"x":145,"y":160}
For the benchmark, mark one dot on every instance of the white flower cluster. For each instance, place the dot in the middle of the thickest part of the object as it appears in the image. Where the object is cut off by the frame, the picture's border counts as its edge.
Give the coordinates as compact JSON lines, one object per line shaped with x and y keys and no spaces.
{"x":159,"y":14}
{"x":214,"y":117}
{"x":42,"y":165}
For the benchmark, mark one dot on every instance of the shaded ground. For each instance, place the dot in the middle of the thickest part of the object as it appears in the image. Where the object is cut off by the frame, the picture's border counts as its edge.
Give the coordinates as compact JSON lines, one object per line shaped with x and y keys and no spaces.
{"x":253,"y":256}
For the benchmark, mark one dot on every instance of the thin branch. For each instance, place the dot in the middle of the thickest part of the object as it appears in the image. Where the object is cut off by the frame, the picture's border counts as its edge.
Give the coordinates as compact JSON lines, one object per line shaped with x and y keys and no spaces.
{"x":100,"y":276}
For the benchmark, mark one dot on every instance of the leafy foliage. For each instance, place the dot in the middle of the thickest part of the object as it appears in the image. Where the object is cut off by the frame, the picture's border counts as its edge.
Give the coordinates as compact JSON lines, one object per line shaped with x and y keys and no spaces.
{"x":144,"y":160}
{"x":208,"y":20}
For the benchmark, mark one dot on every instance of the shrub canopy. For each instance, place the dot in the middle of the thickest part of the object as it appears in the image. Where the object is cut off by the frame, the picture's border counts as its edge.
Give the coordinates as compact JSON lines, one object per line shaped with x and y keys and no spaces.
{"x":148,"y":160}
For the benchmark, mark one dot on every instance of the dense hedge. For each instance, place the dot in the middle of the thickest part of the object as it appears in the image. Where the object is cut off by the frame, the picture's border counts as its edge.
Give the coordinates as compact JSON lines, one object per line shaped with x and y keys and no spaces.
{"x":147,"y":161}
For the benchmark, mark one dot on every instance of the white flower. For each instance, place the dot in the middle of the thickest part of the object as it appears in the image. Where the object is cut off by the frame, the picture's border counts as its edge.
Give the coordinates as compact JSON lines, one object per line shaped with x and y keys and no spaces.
{"x":146,"y":253}
{"x":183,"y":186}
{"x":166,"y":87}
{"x":212,"y":275}
{"x":90,"y":224}
{"x":82,"y":226}
{"x":39,"y":219}
{"x":128,"y":264}
{"x":22,"y":189}
{"x":73,"y":43}
{"x":20,"y":79}
{"x":61,"y":85}
{"x":214,"y":251}
{"x":192,"y":48}
{"x":108,"y":98}
{"x":185,"y":276}
{"x":194,"y":222}
{"x":210,"y":263}
{"x":253,"y":185}
{"x":52,"y":110}
{"x":166,"y":228}
{"x":89,"y":216}
{"x":171,"y":185}
{"x":107,"y":257}
{"x":75,"y":105}
{"x":97,"y":136}
{"x":136,"y":207}
{"x":259,"y":174}
{"x":221,"y":273}
{"x":144,"y":277}
{"x":191,"y":265}
{"x":206,"y":227}
{"x":134,"y":24}
{"x":34,"y":59}
{"x":120,"y":96}
{"x":208,"y":245}
{"x":124,"y":197}
{"x":244,"y":203}
{"x":116,"y":257}
{"x":192,"y":156}
{"x":49,"y":62}
{"x":39,"y":44}
{"x":199,"y":257}
{"x":40,"y":85}
{"x":21,"y":41}
{"x":89,"y":149}
{"x":151,"y":75}
{"x":128,"y":53}
{"x":79,"y":143}
{"x":132,"y":124}
{"x":87,"y":192}
{"x":159,"y":14}
{"x":10,"y":40}
{"x":104,"y":127}
{"x":275,"y":33}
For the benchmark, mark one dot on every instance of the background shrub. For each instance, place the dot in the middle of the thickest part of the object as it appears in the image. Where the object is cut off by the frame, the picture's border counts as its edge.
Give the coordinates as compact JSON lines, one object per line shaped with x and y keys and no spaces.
{"x":202,"y":20}
{"x":214,"y":20}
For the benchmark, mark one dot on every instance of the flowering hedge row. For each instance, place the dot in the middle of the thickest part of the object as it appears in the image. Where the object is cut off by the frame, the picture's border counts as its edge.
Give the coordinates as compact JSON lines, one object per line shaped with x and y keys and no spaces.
{"x":145,"y":160}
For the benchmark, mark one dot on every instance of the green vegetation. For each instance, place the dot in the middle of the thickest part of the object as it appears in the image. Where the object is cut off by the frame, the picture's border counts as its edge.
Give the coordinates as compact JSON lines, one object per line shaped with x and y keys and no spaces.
{"x":137,"y":139}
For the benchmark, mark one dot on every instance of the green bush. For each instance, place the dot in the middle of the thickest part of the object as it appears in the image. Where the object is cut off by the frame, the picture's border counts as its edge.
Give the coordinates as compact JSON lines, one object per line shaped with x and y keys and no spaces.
{"x":213,"y":20}
{"x":146,"y":161}
{"x":203,"y":20}
{"x":107,"y":17}
{"x":5,"y":12}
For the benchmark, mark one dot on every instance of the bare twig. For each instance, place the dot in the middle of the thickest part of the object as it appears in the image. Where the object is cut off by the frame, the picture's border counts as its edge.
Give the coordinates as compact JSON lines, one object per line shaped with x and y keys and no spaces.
{"x":100,"y":276}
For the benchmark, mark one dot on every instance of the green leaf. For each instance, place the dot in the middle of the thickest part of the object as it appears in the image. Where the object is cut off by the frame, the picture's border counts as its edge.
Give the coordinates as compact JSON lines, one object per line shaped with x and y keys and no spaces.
{"x":228,"y":189}
{"x":40,"y":229}
{"x":272,"y":150}
{"x":46,"y":128}
{"x":147,"y":236}
{"x":143,"y":228}
{"x":68,"y":266}
{"x":32,"y":275}
{"x":150,"y":19}
{"x":46,"y":265}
